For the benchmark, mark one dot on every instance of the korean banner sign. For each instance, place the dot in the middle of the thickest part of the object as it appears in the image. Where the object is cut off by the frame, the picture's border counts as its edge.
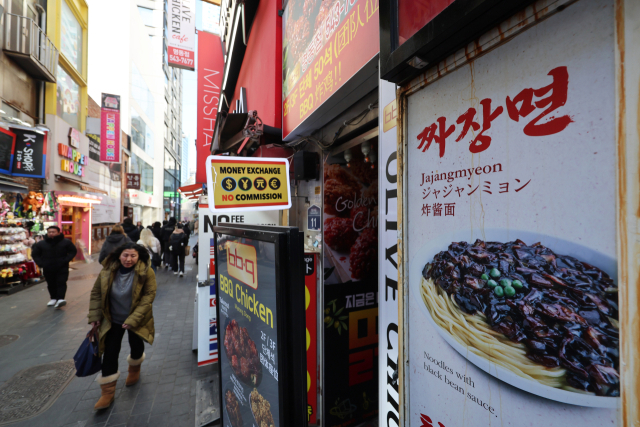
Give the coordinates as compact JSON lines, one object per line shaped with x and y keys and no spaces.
{"x":319,"y":61}
{"x":133,"y":181}
{"x":247,"y":185}
{"x":110,"y":128}
{"x":182,"y":34}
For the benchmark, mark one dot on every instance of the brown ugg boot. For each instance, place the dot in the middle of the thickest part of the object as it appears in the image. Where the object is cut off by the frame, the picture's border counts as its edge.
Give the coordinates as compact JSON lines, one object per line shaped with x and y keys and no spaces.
{"x":108,"y":386}
{"x":134,"y":370}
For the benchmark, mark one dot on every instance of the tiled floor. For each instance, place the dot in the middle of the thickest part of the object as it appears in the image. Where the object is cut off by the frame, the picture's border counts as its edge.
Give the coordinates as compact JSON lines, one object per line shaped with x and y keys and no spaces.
{"x":165,"y":395}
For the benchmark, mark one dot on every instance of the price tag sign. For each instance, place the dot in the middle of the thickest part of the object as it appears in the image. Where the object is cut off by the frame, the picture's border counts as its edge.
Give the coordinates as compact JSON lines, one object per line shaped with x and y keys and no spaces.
{"x":313,"y":218}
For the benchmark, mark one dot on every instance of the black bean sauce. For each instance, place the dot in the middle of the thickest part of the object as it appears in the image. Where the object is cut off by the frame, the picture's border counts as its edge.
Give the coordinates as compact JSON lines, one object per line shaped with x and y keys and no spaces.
{"x":560,"y":311}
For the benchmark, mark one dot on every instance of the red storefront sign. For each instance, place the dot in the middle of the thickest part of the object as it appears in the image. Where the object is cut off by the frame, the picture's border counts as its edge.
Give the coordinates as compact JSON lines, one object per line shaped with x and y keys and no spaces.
{"x":110,"y":128}
{"x":210,"y":68}
{"x":310,"y":283}
{"x":342,"y":45}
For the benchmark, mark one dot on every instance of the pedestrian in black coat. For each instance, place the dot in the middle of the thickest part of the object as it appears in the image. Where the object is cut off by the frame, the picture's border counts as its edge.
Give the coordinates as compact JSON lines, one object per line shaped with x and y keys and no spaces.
{"x":167,"y":230}
{"x":114,"y":240}
{"x":177,"y":244}
{"x":130,"y":229}
{"x":53,"y":255}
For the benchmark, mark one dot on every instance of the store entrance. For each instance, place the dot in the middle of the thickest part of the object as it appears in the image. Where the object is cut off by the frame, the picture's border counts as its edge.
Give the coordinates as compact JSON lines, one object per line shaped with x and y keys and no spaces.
{"x":71,"y":225}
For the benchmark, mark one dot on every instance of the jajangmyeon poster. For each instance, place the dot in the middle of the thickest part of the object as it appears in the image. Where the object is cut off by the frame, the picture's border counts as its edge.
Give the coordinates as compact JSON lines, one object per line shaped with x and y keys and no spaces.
{"x":511,"y":232}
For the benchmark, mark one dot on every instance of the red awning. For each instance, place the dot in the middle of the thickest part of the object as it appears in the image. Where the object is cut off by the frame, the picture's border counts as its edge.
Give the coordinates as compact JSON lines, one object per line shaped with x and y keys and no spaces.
{"x":192,"y":191}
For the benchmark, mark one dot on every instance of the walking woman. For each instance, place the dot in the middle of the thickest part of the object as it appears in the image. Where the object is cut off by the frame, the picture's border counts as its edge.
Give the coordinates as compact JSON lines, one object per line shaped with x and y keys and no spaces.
{"x":121,"y":300}
{"x":151,"y":244}
{"x":177,"y":245}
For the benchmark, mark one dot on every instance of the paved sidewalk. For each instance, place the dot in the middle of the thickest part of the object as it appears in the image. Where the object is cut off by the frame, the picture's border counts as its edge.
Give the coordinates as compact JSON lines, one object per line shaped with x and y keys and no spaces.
{"x":165,"y":395}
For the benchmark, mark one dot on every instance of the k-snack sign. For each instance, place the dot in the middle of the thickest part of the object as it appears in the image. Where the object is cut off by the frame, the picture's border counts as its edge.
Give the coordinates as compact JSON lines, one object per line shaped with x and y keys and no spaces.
{"x":243,"y":184}
{"x":74,"y":162}
{"x":30,"y":152}
{"x":182,"y":34}
{"x":317,"y":66}
{"x":110,"y":128}
{"x":210,"y":67}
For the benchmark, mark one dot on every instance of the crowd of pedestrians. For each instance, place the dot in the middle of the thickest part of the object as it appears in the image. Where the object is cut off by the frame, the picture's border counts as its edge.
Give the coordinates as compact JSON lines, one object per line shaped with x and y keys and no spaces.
{"x":123,"y":294}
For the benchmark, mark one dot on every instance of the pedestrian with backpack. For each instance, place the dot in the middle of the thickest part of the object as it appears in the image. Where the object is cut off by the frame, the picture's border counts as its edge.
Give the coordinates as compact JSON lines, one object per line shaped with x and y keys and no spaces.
{"x":152,"y":245}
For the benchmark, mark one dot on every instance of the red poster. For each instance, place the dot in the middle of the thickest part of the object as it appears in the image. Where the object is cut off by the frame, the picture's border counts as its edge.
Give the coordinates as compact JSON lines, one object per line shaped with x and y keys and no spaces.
{"x":341,"y":45}
{"x":210,"y":68}
{"x":110,"y":128}
{"x":310,"y":283}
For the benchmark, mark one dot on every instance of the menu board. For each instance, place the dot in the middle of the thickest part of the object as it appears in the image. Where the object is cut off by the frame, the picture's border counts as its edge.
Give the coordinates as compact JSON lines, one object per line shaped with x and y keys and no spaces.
{"x":248,"y":331}
{"x":261,"y":325}
{"x":510,"y":232}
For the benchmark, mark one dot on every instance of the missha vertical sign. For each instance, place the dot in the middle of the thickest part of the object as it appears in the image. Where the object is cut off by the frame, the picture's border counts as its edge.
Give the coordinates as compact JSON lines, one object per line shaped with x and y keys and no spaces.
{"x":210,"y":68}
{"x":181,"y":44}
{"x":512,"y":278}
{"x":30,"y":152}
{"x":110,"y":128}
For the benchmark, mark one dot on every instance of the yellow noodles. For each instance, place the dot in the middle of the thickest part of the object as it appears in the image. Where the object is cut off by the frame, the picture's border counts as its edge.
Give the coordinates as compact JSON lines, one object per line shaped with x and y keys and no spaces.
{"x":474,"y":333}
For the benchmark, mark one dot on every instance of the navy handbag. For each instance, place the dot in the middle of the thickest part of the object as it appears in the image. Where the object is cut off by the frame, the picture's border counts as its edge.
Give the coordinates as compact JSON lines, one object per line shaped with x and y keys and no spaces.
{"x":87,"y":358}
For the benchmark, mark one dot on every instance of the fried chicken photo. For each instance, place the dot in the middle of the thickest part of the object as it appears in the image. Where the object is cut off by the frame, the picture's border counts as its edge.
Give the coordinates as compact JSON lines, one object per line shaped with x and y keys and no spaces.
{"x":261,"y":409}
{"x":241,"y":350}
{"x":339,"y":234}
{"x":363,"y":259}
{"x":233,"y":409}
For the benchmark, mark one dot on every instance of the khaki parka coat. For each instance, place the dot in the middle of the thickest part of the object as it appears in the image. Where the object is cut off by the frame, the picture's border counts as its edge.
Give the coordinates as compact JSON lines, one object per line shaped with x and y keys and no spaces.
{"x":144,"y":292}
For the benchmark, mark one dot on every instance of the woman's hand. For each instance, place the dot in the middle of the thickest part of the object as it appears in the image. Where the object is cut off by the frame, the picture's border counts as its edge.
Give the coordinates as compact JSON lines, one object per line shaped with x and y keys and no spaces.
{"x":94,"y":324}
{"x":124,"y":326}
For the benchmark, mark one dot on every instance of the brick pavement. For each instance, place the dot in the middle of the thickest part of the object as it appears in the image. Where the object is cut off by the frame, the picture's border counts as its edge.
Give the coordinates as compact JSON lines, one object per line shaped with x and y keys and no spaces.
{"x":165,"y":395}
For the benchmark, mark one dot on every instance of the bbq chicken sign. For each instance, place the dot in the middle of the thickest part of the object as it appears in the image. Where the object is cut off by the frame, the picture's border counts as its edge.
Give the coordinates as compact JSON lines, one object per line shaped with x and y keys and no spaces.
{"x":242,"y":184}
{"x":182,"y":34}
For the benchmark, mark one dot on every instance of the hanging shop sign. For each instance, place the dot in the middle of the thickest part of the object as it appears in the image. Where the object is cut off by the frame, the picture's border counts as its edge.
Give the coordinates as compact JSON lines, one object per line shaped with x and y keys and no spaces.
{"x":210,"y":68}
{"x":110,"y":128}
{"x":388,"y":396}
{"x":74,"y":137}
{"x":76,"y":162}
{"x":510,"y":240}
{"x":30,"y":152}
{"x":133,"y":181}
{"x":181,"y":43}
{"x":242,"y":184}
{"x":7,"y":149}
{"x":261,"y":326}
{"x":323,"y":48}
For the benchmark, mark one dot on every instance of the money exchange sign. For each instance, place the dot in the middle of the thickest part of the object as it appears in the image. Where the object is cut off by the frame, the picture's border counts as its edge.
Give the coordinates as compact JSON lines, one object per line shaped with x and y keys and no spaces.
{"x":247,"y":184}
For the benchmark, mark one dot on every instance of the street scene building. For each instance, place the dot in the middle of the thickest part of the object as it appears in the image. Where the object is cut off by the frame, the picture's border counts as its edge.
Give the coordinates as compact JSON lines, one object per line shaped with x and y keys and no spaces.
{"x":321,"y":213}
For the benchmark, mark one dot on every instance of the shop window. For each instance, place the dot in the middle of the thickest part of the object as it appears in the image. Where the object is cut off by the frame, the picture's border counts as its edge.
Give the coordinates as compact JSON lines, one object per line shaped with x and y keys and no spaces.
{"x":71,"y":34}
{"x":146,"y":173}
{"x":17,"y":7}
{"x":141,"y":93}
{"x":68,"y":102}
{"x":147,"y":16}
{"x":141,"y":133}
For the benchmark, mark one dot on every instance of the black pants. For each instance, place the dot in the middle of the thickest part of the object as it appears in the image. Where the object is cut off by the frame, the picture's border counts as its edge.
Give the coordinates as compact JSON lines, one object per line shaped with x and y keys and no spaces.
{"x":166,"y":256}
{"x":56,"y":282}
{"x":177,"y":260}
{"x":112,"y":344}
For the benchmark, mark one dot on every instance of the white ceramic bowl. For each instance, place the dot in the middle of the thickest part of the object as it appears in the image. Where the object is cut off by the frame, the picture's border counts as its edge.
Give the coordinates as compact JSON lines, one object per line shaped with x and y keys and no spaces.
{"x":559,"y":246}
